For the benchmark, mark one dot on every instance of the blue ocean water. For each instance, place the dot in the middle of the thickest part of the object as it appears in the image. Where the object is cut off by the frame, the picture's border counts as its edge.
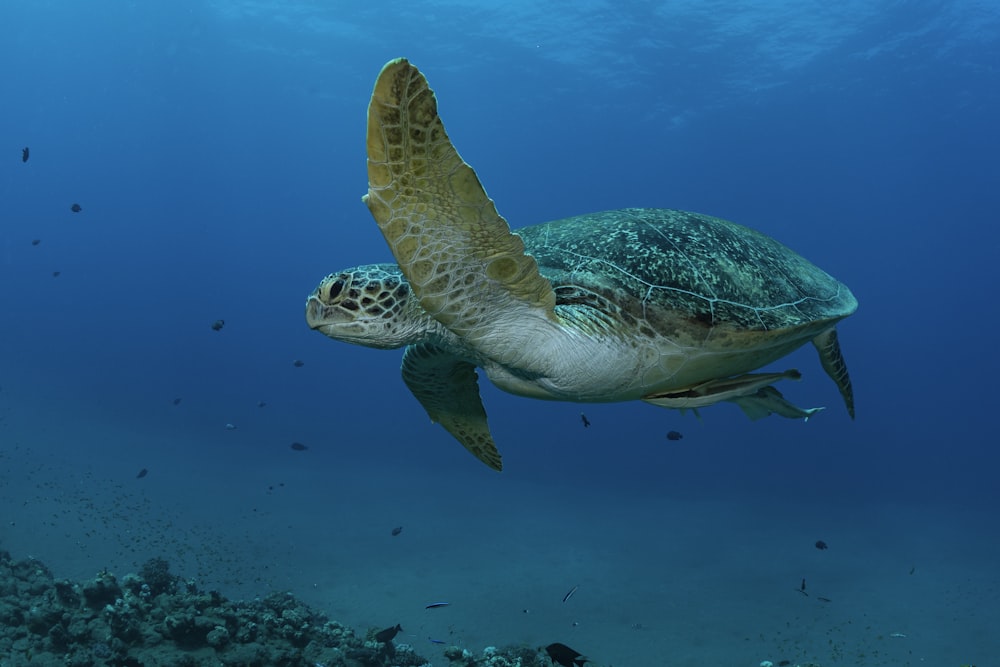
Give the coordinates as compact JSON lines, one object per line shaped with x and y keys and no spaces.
{"x":216,"y":150}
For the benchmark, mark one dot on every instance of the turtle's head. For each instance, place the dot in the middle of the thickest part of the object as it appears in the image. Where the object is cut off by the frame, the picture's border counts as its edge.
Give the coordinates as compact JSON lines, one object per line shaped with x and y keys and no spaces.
{"x":370,"y":305}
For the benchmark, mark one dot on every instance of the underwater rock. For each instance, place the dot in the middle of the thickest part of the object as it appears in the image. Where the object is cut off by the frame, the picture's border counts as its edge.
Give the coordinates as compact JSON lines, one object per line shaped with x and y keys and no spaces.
{"x":165,"y":620}
{"x":511,"y":656}
{"x":157,"y":618}
{"x":155,"y":573}
{"x":102,"y":590}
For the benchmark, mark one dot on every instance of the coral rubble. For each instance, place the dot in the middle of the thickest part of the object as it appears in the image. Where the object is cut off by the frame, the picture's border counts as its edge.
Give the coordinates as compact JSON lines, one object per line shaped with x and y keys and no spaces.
{"x":156,"y":619}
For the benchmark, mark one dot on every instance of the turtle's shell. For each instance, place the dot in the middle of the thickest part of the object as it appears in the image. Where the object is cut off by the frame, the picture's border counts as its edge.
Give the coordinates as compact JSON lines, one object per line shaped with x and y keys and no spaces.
{"x":672,"y":273}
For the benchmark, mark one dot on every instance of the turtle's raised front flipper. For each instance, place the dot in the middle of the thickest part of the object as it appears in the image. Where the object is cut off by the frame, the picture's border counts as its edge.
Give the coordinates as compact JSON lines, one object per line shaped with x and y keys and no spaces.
{"x":833,"y":363}
{"x":448,"y":389}
{"x":458,"y":254}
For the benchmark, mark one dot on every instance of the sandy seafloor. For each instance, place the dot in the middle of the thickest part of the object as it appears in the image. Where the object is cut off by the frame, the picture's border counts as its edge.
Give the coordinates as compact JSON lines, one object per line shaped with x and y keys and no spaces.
{"x":664,"y":577}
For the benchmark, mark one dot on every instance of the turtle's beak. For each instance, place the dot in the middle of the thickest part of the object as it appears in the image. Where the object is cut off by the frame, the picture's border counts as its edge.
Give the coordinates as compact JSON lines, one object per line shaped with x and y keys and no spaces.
{"x":320,"y":316}
{"x":335,"y":322}
{"x":314,"y":311}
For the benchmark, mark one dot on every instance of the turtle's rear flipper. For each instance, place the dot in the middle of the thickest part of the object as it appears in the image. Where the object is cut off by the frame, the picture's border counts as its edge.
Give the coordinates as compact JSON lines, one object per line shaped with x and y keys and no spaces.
{"x":833,"y":363}
{"x":448,"y":388}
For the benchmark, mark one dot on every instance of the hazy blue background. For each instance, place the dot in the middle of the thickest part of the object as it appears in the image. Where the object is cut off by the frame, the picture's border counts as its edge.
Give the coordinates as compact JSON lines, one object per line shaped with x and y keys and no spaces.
{"x":217,"y":151}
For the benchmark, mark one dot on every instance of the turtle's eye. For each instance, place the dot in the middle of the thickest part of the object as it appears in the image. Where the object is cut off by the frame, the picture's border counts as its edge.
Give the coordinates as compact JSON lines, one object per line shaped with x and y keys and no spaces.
{"x":335,"y":289}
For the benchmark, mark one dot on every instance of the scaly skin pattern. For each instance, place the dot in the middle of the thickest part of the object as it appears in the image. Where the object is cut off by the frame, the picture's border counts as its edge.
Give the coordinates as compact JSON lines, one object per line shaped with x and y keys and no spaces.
{"x":458,"y":254}
{"x":370,"y":305}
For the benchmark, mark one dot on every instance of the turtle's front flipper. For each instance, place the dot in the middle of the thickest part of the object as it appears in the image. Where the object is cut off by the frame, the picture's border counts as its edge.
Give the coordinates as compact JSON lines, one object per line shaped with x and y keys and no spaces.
{"x":833,"y":363}
{"x":448,"y":389}
{"x":458,"y":254}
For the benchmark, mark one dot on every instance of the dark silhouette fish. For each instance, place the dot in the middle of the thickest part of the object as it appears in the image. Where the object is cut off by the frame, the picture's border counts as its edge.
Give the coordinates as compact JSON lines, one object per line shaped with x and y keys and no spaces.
{"x":76,"y":208}
{"x":397,"y":530}
{"x":299,"y":447}
{"x":35,"y":241}
{"x":565,"y":656}
{"x":218,"y":324}
{"x":821,"y":545}
{"x":586,"y":422}
{"x":298,"y":363}
{"x":674,"y":435}
{"x":25,"y":153}
{"x":385,"y":636}
{"x":142,"y":473}
{"x":177,"y":401}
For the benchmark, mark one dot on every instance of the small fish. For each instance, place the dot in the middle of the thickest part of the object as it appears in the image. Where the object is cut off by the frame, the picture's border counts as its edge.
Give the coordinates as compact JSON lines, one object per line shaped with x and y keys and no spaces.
{"x":56,"y":274}
{"x":802,"y":588}
{"x":570,"y":594}
{"x":385,"y":636}
{"x":437,"y":605}
{"x":298,"y":363}
{"x":822,"y":599}
{"x":563,"y":655}
{"x":35,"y":241}
{"x":76,"y":208}
{"x":261,"y":404}
{"x":218,"y":324}
{"x":821,"y":545}
{"x":299,"y":447}
{"x":230,"y":427}
{"x":25,"y":154}
{"x":436,"y":641}
{"x":586,"y":422}
{"x":177,"y":401}
{"x":674,"y":435}
{"x":397,"y":530}
{"x":142,"y":473}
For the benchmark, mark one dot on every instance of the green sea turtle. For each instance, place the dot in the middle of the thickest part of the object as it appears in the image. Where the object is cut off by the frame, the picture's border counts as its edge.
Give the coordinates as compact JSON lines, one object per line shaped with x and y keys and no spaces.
{"x":664,"y":306}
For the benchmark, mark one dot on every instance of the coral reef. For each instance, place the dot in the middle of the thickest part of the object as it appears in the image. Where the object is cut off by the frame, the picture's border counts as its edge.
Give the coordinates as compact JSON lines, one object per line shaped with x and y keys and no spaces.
{"x":156,"y":619}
